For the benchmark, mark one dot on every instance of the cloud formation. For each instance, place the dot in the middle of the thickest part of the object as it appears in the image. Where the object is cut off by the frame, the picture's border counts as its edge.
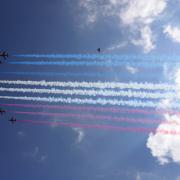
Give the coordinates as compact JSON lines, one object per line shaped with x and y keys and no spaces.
{"x":172,"y":32}
{"x":36,"y":155}
{"x":139,"y":15}
{"x":131,"y":69}
{"x":166,"y":148}
{"x":147,"y":176}
{"x":147,"y":40}
{"x":142,"y":11}
{"x":80,"y":134}
{"x":32,"y":154}
{"x":135,"y":15}
{"x":20,"y":133}
{"x":117,"y":46}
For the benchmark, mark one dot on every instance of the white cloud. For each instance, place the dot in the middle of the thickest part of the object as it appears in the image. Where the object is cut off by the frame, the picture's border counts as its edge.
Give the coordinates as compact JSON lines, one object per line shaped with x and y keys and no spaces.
{"x":142,"y":11}
{"x":166,"y":147}
{"x":136,"y":16}
{"x":32,"y":154}
{"x":131,"y":69}
{"x":80,"y":134}
{"x":96,"y":9}
{"x":147,"y":176}
{"x":91,"y":10}
{"x":139,"y":15}
{"x":20,"y":134}
{"x":146,"y":40}
{"x":43,"y":158}
{"x":117,"y":46}
{"x":138,"y":177}
{"x":172,"y":32}
{"x":36,"y":155}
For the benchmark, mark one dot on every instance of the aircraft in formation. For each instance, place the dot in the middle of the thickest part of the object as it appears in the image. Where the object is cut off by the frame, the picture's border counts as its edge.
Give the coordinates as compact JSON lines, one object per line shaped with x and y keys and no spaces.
{"x":3,"y":54}
{"x":12,"y":120}
{"x":2,"y":111}
{"x":99,"y":50}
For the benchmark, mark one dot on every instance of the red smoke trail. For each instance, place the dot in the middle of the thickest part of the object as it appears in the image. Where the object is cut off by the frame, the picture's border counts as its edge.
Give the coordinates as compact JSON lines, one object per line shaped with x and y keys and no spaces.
{"x":95,"y":117}
{"x":95,"y":108}
{"x":103,"y":127}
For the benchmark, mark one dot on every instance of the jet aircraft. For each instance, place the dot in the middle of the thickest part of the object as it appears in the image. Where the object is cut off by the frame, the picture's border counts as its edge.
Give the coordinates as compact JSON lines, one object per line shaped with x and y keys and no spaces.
{"x":2,"y":111}
{"x":12,"y":120}
{"x":4,"y":54}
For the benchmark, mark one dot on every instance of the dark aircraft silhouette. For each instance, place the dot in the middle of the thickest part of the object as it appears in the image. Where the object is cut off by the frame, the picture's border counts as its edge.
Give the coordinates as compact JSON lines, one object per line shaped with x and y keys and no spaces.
{"x":4,"y":54}
{"x":12,"y":120}
{"x":99,"y":50}
{"x":2,"y":111}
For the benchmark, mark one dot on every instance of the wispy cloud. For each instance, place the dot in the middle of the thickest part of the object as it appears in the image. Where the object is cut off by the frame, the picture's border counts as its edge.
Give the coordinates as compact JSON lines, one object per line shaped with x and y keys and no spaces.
{"x":36,"y":155}
{"x":147,"y":176}
{"x":132,"y":69}
{"x":20,"y":133}
{"x":146,"y":39}
{"x":136,"y":16}
{"x":80,"y":134}
{"x":33,"y":153}
{"x":117,"y":46}
{"x":90,"y":7}
{"x":43,"y":158}
{"x":173,"y":32}
{"x":142,"y":11}
{"x":139,"y":15}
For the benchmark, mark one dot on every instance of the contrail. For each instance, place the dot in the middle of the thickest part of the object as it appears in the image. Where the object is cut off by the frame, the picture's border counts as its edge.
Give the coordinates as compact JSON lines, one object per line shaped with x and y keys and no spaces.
{"x":160,"y":58}
{"x":86,"y":63}
{"x":100,"y":101}
{"x":66,"y":74}
{"x":95,"y":109}
{"x":92,"y":117}
{"x":103,"y":127}
{"x":99,"y":84}
{"x":93,"y":92}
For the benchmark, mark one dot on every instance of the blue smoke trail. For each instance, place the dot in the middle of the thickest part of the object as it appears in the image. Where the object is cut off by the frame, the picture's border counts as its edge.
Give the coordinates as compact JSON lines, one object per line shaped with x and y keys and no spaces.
{"x":85,"y":63}
{"x":160,"y":58}
{"x":61,"y":74}
{"x":91,"y":75}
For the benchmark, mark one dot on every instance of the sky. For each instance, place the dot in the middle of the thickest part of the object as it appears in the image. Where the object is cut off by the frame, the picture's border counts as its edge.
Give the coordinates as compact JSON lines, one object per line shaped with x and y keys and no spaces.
{"x":123,"y":122}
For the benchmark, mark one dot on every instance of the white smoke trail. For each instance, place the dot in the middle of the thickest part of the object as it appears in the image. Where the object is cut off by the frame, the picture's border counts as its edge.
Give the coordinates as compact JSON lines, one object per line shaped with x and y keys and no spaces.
{"x":99,"y":84}
{"x":100,"y":101}
{"x":93,"y":92}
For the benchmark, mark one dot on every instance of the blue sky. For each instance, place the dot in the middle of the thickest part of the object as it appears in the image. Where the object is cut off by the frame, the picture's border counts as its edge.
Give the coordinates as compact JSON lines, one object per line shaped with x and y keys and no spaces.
{"x":45,"y":152}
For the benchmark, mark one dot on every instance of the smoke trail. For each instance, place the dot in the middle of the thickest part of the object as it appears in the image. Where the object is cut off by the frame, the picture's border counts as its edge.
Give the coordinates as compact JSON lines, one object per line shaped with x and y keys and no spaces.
{"x":93,"y":92}
{"x":99,"y":84}
{"x":103,"y":127}
{"x":160,"y":58}
{"x":85,"y":63}
{"x":95,"y":108}
{"x":76,"y":75}
{"x":101,"y":75}
{"x":100,"y":101}
{"x":92,"y":117}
